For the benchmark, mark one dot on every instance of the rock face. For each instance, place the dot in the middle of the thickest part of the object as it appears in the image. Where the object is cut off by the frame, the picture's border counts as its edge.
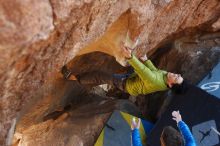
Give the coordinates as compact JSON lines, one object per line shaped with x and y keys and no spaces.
{"x":75,"y":127}
{"x":38,"y":37}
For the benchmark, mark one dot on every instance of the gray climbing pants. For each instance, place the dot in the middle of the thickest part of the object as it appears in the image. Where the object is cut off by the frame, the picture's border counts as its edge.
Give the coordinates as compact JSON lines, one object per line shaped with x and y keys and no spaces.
{"x":96,"y":78}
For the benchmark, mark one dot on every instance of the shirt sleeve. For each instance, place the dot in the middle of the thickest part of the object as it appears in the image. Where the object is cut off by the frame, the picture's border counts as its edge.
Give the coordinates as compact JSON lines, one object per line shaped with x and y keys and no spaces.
{"x":136,"y":139}
{"x":143,"y":71}
{"x":187,"y":135}
{"x":150,"y":65}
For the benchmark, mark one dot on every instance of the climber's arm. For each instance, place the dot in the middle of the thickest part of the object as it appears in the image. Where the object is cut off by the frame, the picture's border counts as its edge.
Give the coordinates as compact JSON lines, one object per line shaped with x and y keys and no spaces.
{"x":143,"y":71}
{"x":150,"y":65}
{"x":148,"y":62}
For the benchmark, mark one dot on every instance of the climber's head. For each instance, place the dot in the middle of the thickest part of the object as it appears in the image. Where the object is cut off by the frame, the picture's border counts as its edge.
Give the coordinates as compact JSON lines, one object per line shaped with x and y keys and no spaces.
{"x":173,"y":79}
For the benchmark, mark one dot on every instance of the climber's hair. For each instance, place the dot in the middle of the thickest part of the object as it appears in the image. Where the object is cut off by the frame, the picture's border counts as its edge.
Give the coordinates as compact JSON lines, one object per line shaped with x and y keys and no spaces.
{"x":179,"y":88}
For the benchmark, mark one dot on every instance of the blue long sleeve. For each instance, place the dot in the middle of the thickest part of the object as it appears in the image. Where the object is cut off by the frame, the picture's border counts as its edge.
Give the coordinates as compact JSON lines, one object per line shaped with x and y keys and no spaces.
{"x":136,"y":139}
{"x":187,"y":135}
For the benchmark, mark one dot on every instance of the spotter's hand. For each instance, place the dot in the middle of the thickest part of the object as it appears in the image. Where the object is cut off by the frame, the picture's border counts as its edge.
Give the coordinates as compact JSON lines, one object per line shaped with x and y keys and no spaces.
{"x":176,"y":116}
{"x":134,"y":124}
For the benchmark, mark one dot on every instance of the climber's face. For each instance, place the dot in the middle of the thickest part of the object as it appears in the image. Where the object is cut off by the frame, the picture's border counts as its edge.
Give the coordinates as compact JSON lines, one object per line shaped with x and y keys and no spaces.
{"x":174,"y":79}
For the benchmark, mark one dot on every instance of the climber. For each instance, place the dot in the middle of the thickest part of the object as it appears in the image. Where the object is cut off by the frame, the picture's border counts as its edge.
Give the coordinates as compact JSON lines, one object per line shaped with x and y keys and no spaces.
{"x":146,"y":79}
{"x":169,"y":136}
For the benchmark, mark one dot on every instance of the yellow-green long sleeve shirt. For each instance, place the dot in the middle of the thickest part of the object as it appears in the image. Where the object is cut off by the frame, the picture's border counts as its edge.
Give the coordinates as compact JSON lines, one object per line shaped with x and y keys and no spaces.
{"x":148,"y":78}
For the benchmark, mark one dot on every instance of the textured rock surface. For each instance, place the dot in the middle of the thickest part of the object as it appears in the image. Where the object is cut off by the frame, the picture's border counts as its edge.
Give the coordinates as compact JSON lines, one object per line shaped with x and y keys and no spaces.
{"x":38,"y":38}
{"x":74,"y":127}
